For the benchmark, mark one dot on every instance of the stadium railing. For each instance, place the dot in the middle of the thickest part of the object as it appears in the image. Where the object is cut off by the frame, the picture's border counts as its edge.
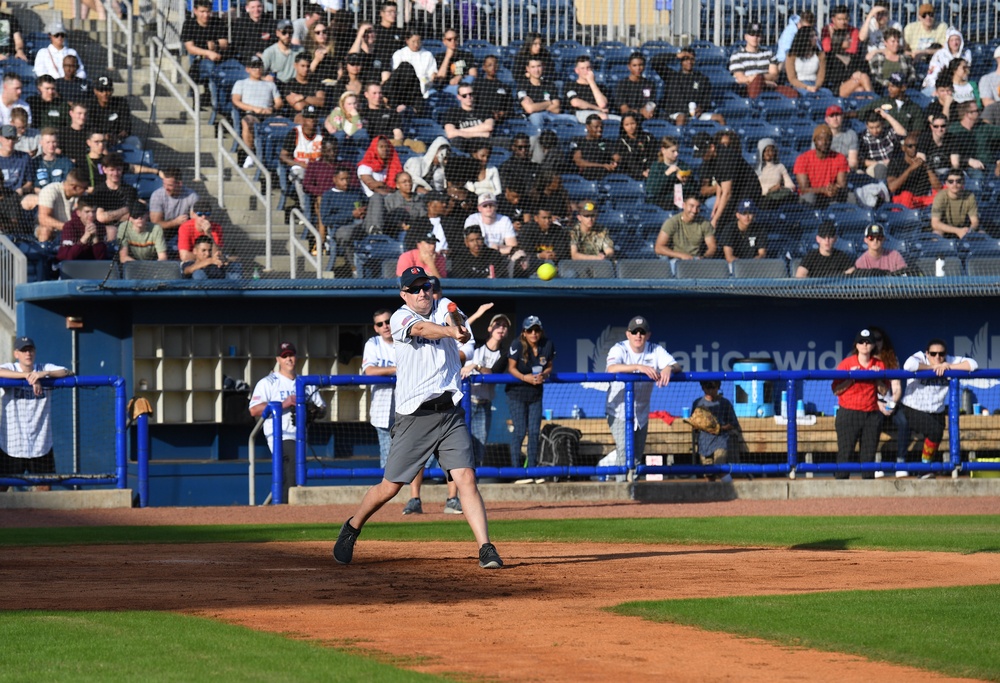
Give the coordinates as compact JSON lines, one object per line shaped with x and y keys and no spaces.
{"x":949,"y":459}
{"x":14,"y":265}
{"x":70,"y":415}
{"x":300,"y":227}
{"x":227,"y":160}
{"x":159,"y":54}
{"x":126,"y":26}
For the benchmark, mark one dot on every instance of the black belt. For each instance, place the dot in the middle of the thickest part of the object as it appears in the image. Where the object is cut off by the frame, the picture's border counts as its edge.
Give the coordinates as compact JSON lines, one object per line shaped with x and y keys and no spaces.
{"x":442,"y":402}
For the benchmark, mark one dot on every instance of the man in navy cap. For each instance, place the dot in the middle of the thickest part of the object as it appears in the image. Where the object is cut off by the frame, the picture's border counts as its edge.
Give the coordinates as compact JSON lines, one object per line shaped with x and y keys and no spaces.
{"x":743,"y":238}
{"x":26,"y":416}
{"x":109,"y":113}
{"x":429,"y":418}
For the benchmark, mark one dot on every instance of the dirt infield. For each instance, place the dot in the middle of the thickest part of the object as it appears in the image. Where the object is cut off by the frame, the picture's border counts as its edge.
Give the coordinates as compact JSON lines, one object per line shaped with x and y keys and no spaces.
{"x":429,"y":607}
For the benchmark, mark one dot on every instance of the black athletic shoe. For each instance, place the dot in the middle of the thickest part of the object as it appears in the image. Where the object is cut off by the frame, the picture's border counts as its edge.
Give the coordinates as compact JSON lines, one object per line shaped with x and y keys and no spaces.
{"x":343,"y":549}
{"x":489,"y":558}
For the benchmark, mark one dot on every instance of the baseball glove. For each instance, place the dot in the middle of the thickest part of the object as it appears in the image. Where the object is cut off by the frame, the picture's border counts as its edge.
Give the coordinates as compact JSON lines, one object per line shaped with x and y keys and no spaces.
{"x":703,"y":420}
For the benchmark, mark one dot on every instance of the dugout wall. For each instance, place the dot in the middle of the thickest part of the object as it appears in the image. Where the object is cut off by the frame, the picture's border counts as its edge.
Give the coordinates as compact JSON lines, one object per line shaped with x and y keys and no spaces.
{"x":205,"y":463}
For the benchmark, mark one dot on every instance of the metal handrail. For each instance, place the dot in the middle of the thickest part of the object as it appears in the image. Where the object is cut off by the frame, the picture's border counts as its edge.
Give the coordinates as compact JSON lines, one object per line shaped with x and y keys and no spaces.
{"x":224,"y":157}
{"x":252,"y":455}
{"x":14,"y":262}
{"x":160,"y":52}
{"x":125,"y":26}
{"x":297,"y":247}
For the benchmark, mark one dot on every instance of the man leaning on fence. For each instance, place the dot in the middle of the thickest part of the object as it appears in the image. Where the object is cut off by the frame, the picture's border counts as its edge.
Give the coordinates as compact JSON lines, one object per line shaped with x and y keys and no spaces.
{"x":26,"y":417}
{"x":280,"y":386}
{"x":636,"y":354}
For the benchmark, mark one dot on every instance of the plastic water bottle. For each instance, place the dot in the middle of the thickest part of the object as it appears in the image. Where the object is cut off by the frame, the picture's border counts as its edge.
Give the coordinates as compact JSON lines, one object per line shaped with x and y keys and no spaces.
{"x":256,"y":273}
{"x":800,"y":408}
{"x":939,"y":267}
{"x":784,"y":404}
{"x":576,"y":413}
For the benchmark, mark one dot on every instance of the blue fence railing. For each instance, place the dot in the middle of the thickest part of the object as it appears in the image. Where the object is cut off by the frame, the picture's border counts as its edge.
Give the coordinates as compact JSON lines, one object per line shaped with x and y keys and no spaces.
{"x":788,"y":381}
{"x":119,"y":477}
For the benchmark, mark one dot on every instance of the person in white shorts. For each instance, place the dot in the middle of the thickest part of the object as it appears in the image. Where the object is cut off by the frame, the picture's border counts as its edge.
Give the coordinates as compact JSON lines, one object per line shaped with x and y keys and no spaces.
{"x":428,"y":420}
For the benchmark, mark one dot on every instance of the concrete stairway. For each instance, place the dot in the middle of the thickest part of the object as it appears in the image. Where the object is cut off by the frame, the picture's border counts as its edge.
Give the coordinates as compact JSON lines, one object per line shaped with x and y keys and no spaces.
{"x":171,"y":138}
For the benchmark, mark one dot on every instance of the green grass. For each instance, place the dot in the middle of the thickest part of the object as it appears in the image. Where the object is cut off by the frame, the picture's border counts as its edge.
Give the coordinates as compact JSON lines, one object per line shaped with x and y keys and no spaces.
{"x":960,"y":533}
{"x":155,"y":646}
{"x":951,"y":630}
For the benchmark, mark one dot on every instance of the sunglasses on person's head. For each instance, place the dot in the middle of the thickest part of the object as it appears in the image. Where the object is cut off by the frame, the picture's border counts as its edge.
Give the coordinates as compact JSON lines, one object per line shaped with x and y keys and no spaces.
{"x":939,"y":354}
{"x":381,"y":323}
{"x":416,"y":289}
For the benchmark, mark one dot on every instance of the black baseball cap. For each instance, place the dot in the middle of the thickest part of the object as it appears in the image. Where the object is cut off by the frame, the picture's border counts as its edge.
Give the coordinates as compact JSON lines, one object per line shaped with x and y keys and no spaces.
{"x":286,"y":349}
{"x":22,"y":343}
{"x":310,"y":112}
{"x":104,"y":84}
{"x":827,"y":229}
{"x":411,"y":275}
{"x":700,"y":143}
{"x":753,"y":29}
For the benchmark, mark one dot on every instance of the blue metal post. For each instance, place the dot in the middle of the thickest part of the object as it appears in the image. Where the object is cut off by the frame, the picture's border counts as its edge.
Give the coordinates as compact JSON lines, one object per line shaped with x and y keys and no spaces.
{"x":954,"y":435}
{"x":630,"y":425}
{"x":273,"y":412}
{"x":793,"y":423}
{"x":467,"y":402}
{"x":121,"y":434}
{"x":142,"y":457}
{"x":301,"y":432}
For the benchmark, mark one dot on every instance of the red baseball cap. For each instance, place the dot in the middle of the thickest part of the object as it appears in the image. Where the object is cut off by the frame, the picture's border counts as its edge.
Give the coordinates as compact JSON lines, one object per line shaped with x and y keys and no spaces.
{"x":833,"y":110}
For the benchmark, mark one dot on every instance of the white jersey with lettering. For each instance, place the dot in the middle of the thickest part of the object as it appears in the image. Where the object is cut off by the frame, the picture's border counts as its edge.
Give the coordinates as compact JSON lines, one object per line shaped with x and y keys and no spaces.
{"x":277,"y":387}
{"x":379,"y":354}
{"x":425,"y":368}
{"x":621,"y":353}
{"x":439,"y":314}
{"x":26,"y":419}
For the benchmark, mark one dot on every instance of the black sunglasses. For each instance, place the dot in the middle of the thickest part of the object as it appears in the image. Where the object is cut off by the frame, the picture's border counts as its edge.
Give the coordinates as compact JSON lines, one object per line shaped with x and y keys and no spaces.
{"x":926,"y":14}
{"x":639,"y":330}
{"x":535,"y":330}
{"x":940,"y":354}
{"x":381,"y":323}
{"x":416,"y":289}
{"x":58,"y":35}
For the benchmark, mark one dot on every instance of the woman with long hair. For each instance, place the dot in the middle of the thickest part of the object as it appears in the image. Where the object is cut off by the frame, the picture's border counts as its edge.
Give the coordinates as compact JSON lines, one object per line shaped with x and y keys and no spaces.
{"x":776,"y":183}
{"x":530,"y":362}
{"x":805,"y":65}
{"x":534,"y":48}
{"x":894,"y":420}
{"x":345,"y":117}
{"x":634,"y":148}
{"x":319,"y":43}
{"x":669,"y":177}
{"x":846,"y":73}
{"x":487,"y":179}
{"x":965,"y":90}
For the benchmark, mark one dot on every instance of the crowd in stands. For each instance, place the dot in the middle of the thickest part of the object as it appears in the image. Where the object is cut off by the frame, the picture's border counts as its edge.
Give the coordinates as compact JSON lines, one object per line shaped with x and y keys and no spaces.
{"x":514,"y":157}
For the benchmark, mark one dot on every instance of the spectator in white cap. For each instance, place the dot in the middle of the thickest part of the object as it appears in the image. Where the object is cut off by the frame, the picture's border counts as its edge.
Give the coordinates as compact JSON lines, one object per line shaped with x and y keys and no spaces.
{"x":498,"y":231}
{"x":636,"y":354}
{"x":49,"y":59}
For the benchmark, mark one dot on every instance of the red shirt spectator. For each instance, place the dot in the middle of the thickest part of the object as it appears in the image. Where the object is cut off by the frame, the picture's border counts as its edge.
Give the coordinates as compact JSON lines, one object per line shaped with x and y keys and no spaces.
{"x":862,"y":395}
{"x":196,"y":226}
{"x":821,"y":172}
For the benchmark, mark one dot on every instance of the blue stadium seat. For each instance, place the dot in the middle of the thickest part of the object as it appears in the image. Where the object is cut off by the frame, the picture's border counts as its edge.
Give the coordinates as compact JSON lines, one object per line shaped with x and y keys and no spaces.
{"x":567,"y":130}
{"x":660,"y":128}
{"x":735,"y":109}
{"x":88,"y":270}
{"x":709,"y":54}
{"x":425,"y":130}
{"x":760,"y":268}
{"x":982,"y":265}
{"x":145,"y":184}
{"x":613,"y":129}
{"x":152,"y":270}
{"x":597,"y":270}
{"x":930,"y":245}
{"x":645,"y":269}
{"x":623,"y":190}
{"x":514,"y":126}
{"x":979,"y":244}
{"x":721,"y":78}
{"x":901,"y":220}
{"x":481,"y":49}
{"x":851,"y":220}
{"x":815,"y":105}
{"x":613,"y":220}
{"x":225,"y":76}
{"x":269,"y":137}
{"x":928,"y":266}
{"x":578,"y":187}
{"x":370,"y":253}
{"x":776,"y":107}
{"x":755,"y":129}
{"x":704,"y":269}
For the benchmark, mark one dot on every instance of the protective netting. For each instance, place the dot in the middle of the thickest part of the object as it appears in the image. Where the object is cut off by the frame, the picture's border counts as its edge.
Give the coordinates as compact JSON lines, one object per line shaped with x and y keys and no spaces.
{"x":538,"y":198}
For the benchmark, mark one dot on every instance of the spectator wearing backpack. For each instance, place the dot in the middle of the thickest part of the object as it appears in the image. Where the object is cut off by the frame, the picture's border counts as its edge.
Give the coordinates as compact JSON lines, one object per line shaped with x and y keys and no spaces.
{"x":638,"y":355}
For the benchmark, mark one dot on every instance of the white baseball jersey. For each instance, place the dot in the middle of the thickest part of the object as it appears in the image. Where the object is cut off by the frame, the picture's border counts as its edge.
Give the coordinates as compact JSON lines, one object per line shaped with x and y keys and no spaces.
{"x":483,"y":357}
{"x":439,"y":314}
{"x":653,"y":355}
{"x":26,"y":421}
{"x":425,"y":368}
{"x":929,"y":395}
{"x":277,"y":387}
{"x":379,"y":354}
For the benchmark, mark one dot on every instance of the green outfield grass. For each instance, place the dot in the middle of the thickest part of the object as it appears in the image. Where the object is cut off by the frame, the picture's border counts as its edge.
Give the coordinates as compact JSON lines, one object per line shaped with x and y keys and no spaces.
{"x":155,"y":646}
{"x":962,"y":533}
{"x":948,"y":630}
{"x":951,"y":630}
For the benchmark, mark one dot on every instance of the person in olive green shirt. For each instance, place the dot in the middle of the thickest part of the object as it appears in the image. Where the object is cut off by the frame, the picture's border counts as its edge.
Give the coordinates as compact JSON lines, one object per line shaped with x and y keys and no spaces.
{"x":687,"y":235}
{"x":140,"y":239}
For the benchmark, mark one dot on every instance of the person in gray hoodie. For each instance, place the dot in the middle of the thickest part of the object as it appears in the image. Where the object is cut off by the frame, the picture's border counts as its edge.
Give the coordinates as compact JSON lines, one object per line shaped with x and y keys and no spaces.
{"x":954,"y":48}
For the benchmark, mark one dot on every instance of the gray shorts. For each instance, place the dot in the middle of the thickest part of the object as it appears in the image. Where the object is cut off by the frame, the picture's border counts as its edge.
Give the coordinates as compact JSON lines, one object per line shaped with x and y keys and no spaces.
{"x":416,"y":437}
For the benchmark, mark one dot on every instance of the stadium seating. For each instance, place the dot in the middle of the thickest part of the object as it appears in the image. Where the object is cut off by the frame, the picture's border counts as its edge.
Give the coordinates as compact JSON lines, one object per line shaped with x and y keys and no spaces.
{"x":623,"y":191}
{"x":152,"y":270}
{"x":579,"y":188}
{"x":979,"y":266}
{"x":704,"y":269}
{"x":777,"y":107}
{"x":659,"y":128}
{"x":370,"y":252}
{"x":902,"y":220}
{"x":598,"y":270}
{"x":225,"y":76}
{"x":644,"y":269}
{"x":145,"y":184}
{"x":88,"y":270}
{"x":760,"y":268}
{"x":928,"y":266}
{"x":931,"y":246}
